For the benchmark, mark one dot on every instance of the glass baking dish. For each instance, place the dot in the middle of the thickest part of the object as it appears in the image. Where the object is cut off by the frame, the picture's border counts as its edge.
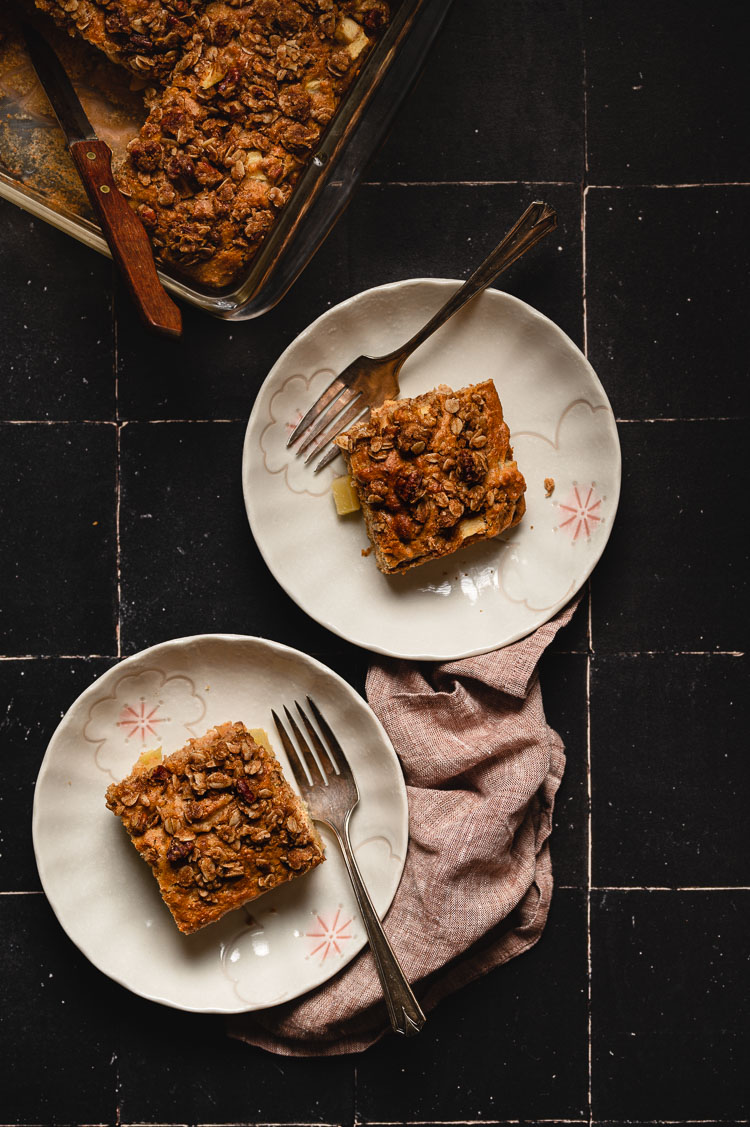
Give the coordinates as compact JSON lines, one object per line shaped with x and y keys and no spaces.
{"x":37,"y":174}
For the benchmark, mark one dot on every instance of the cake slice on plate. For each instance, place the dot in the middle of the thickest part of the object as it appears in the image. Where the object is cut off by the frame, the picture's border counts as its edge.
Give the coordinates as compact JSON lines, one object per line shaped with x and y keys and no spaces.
{"x":434,"y":474}
{"x":217,"y":822}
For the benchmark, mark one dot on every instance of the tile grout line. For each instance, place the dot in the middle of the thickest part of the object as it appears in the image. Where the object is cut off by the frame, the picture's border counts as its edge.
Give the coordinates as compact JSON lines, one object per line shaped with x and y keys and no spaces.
{"x":583,"y":272}
{"x":589,"y":625}
{"x":243,"y":421}
{"x":589,"y":885}
{"x":118,"y":551}
{"x":662,"y":187}
{"x":559,"y":887}
{"x":585,"y":112}
{"x":118,"y":575}
{"x":669,"y":887}
{"x":355,"y":1091}
{"x":118,"y":462}
{"x":116,"y":422}
{"x":428,"y":1123}
{"x":57,"y":657}
{"x":440,"y":1123}
{"x":531,"y":181}
{"x":556,"y":653}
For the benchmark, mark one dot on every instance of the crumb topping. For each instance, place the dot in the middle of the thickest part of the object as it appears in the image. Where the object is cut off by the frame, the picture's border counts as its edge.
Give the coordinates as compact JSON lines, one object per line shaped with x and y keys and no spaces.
{"x":238,"y":95}
{"x":218,"y":824}
{"x":433,"y":473}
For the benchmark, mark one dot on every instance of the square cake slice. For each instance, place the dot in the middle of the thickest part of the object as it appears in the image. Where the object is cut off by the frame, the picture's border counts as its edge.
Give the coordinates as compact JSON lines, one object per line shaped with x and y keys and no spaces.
{"x":433,"y":474}
{"x":217,"y":822}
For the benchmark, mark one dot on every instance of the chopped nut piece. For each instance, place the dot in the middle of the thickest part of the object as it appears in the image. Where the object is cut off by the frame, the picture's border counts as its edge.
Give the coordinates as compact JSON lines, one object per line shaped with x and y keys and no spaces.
{"x":204,"y":852}
{"x":549,"y":486}
{"x":421,"y":466}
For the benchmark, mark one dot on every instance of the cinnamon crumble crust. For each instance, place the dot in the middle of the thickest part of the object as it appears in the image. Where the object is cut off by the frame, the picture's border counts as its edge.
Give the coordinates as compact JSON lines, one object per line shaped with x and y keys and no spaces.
{"x":434,"y":474}
{"x":217,"y":822}
{"x":239,"y":94}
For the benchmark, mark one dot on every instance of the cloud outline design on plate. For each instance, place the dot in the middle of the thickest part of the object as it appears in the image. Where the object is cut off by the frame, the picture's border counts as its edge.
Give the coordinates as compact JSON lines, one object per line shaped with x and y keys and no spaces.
{"x":284,"y":411}
{"x":109,"y":727}
{"x":566,"y":467}
{"x":555,"y":442}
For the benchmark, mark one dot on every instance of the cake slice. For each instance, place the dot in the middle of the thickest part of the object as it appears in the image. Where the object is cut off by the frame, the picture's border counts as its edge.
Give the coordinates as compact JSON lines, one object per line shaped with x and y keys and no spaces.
{"x":434,"y":474}
{"x":217,"y":822}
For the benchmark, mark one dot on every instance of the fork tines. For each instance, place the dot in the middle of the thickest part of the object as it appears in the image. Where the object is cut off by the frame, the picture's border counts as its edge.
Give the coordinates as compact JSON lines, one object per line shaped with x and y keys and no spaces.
{"x":329,"y":415}
{"x":310,"y":766}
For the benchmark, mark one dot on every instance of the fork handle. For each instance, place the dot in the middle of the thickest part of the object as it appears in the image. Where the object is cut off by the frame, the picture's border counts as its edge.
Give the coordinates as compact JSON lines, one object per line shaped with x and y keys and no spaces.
{"x":403,"y":1008}
{"x":537,"y":221}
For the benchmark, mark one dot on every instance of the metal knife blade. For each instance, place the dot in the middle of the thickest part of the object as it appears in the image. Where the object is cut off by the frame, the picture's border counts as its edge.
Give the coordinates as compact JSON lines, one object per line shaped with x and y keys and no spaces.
{"x":58,"y":87}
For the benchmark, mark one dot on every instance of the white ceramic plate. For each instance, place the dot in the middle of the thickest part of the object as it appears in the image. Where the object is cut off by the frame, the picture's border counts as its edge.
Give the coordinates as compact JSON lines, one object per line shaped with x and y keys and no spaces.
{"x":279,"y":946}
{"x":489,"y":594}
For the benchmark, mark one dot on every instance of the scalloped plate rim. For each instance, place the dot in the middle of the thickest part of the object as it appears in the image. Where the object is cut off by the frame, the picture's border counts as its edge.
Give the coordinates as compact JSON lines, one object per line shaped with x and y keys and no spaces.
{"x":348,"y":635}
{"x":68,"y":720}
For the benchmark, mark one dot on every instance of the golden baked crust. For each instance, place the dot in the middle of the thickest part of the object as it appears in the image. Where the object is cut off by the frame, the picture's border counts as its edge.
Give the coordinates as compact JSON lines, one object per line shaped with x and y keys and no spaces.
{"x":239,"y":96}
{"x":434,"y":474}
{"x":218,"y":824}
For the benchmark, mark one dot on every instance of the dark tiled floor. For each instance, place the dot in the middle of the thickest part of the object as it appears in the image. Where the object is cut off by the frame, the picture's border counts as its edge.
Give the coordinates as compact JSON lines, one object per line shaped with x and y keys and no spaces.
{"x":445,"y":230}
{"x":529,"y":1019}
{"x":564,"y":684}
{"x":54,"y":366}
{"x":26,"y":729}
{"x":57,"y":513}
{"x":215,"y":370}
{"x":669,"y":805}
{"x":670,"y":991}
{"x":475,"y":116}
{"x":650,"y":594}
{"x":235,"y":1083}
{"x":658,"y":321}
{"x":123,"y":524}
{"x":61,"y":1068}
{"x":666,"y":84}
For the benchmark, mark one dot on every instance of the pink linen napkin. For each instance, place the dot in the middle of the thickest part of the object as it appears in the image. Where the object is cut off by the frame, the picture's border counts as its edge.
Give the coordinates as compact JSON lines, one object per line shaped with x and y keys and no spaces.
{"x":482,"y":768}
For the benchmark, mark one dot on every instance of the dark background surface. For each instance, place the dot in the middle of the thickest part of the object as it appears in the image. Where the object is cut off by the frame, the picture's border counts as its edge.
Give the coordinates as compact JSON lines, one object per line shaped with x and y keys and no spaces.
{"x":116,"y":451}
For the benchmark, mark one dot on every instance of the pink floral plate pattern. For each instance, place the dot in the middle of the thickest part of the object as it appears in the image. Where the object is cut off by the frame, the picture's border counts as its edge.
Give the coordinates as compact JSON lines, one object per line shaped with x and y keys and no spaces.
{"x":565,"y":441}
{"x":277,"y":947}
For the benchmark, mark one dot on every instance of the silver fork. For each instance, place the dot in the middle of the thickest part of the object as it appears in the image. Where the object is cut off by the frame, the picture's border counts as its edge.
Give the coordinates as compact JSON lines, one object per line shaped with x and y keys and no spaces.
{"x":331,"y":798}
{"x":369,"y":380}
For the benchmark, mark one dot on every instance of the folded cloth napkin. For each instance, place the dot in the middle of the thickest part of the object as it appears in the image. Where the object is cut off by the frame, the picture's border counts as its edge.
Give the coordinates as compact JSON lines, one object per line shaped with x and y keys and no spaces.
{"x":482,"y":768}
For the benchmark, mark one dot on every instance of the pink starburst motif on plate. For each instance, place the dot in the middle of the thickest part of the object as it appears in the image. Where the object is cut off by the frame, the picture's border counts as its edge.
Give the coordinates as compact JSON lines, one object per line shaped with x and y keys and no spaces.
{"x":580,"y":511}
{"x":140,"y":721}
{"x":330,"y":936}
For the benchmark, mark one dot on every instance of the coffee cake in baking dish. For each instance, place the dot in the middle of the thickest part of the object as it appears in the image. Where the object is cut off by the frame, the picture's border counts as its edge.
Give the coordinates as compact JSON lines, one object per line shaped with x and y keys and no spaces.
{"x":434,"y":474}
{"x":238,"y":95}
{"x":147,"y":36}
{"x":217,"y":822}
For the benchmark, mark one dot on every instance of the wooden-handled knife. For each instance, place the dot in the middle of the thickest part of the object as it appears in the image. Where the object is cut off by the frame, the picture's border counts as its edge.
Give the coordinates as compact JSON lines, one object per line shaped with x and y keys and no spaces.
{"x":121,"y":227}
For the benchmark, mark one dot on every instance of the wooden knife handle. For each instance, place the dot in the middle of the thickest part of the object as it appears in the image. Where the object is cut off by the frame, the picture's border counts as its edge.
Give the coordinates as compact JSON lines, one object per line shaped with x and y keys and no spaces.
{"x":126,"y":237}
